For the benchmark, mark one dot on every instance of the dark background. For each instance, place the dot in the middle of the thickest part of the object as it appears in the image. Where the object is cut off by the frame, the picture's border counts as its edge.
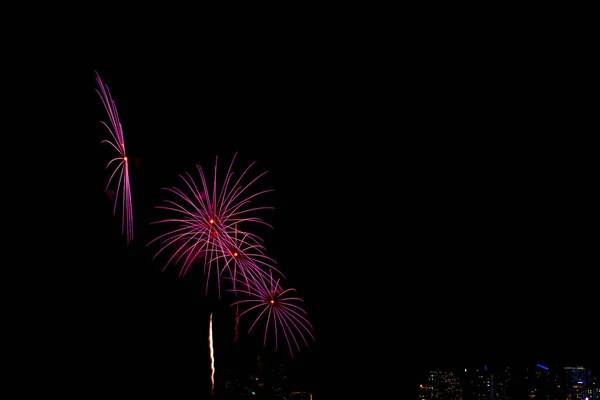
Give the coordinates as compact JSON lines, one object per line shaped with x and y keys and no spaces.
{"x":434,"y":201}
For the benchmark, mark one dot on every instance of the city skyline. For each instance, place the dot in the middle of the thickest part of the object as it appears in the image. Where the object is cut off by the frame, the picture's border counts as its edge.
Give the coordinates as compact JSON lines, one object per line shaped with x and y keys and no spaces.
{"x":510,"y":382}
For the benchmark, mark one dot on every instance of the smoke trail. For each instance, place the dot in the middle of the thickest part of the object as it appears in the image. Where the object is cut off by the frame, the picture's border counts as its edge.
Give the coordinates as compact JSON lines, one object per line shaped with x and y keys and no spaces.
{"x":212,"y":356}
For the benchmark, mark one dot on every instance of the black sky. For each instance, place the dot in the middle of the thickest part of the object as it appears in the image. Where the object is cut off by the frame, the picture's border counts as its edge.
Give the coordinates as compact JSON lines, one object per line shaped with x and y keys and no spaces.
{"x":434,"y":201}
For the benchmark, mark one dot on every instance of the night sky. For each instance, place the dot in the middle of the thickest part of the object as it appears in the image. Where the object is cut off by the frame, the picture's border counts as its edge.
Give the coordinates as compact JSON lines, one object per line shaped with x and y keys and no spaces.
{"x":434,"y":206}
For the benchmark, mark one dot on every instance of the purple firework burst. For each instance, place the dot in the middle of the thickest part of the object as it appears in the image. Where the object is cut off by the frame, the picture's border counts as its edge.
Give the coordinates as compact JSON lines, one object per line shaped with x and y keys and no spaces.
{"x":120,"y":163}
{"x":279,"y":307}
{"x":207,"y":223}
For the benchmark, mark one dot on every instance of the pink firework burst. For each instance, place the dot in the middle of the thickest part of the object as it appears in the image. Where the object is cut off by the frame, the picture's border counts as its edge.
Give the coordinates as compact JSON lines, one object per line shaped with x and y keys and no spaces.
{"x":280,"y":308}
{"x":243,"y":257}
{"x":207,"y":223}
{"x":120,"y":163}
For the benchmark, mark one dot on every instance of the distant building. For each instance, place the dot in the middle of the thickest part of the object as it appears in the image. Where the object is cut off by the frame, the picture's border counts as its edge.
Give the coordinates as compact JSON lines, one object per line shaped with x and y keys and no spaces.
{"x":580,"y":383}
{"x":441,"y":385}
{"x":498,"y":382}
{"x":545,"y":383}
{"x":502,"y":383}
{"x":478,"y":384}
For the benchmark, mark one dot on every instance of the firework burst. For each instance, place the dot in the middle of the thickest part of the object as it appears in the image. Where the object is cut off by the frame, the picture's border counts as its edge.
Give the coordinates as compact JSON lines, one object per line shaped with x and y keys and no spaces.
{"x":207,"y":225}
{"x":120,"y":163}
{"x":279,"y":307}
{"x":242,"y":256}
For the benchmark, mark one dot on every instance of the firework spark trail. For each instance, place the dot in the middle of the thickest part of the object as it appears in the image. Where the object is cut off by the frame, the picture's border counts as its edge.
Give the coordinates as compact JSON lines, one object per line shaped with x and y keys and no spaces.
{"x":282,"y":314}
{"x":123,"y":191}
{"x":237,"y":324}
{"x":212,"y":356}
{"x":206,"y":225}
